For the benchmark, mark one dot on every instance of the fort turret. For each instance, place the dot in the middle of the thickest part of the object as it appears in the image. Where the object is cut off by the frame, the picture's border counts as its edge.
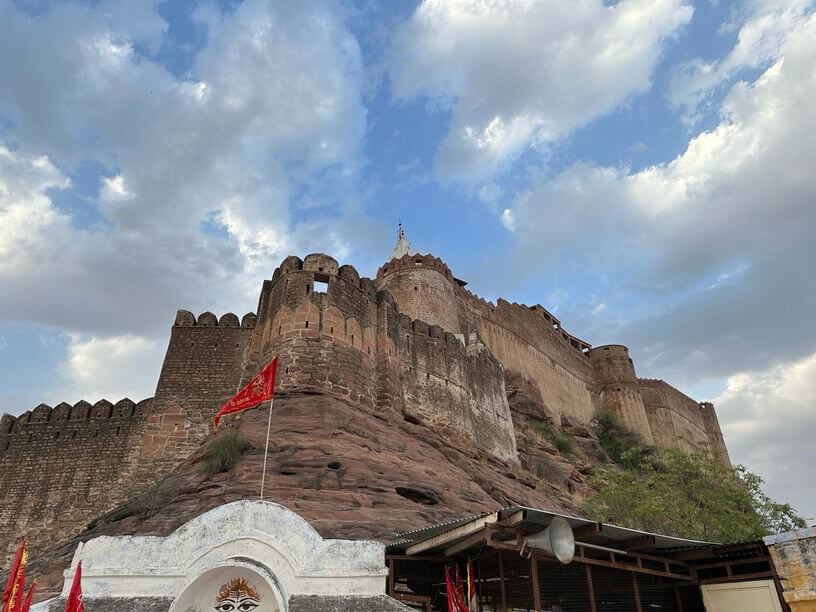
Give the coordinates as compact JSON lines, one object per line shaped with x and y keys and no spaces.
{"x":618,"y":387}
{"x":422,"y":285}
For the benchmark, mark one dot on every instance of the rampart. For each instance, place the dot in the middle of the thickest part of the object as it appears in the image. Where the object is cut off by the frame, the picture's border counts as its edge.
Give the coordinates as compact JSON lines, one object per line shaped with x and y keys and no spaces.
{"x":61,"y":466}
{"x":201,"y":370}
{"x":412,"y":344}
{"x":677,"y":420}
{"x":334,"y":330}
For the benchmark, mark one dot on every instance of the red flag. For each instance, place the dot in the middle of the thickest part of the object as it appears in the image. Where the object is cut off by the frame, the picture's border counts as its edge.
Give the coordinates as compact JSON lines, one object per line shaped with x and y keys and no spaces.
{"x":257,"y":390}
{"x":29,"y":598}
{"x":456,"y":601}
{"x":15,"y":565}
{"x":74,"y":603}
{"x":15,"y":601}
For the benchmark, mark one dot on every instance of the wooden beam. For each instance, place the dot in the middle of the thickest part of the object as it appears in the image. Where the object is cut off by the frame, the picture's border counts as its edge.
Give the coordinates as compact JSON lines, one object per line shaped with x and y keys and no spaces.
{"x":590,"y":588}
{"x":452,"y":535}
{"x":469,"y":541}
{"x":587,"y":530}
{"x":634,"y":544}
{"x":739,"y":578}
{"x":629,"y":567}
{"x":637,"y":593}
{"x":501,"y":584}
{"x":536,"y":586}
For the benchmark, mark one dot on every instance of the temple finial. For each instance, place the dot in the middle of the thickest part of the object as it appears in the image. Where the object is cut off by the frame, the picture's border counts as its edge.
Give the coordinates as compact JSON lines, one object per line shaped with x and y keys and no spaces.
{"x":403,"y":247}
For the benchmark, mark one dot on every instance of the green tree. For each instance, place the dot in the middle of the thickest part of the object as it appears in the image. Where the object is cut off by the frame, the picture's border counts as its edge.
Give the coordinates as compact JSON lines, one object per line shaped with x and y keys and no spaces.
{"x":688,"y":495}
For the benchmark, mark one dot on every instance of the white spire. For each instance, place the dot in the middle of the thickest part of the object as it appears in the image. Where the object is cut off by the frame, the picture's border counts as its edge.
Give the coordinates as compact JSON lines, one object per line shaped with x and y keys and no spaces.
{"x":403,"y":247}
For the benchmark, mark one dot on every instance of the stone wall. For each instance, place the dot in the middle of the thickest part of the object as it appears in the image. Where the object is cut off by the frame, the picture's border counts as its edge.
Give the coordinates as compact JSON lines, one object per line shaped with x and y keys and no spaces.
{"x":531,"y":342}
{"x":794,"y":557}
{"x":202,"y":369}
{"x":60,"y":467}
{"x":677,"y":420}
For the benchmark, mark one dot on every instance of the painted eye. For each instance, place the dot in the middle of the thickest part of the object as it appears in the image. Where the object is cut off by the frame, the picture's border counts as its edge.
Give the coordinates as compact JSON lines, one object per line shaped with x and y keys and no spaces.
{"x":247,"y":606}
{"x":225,"y":607}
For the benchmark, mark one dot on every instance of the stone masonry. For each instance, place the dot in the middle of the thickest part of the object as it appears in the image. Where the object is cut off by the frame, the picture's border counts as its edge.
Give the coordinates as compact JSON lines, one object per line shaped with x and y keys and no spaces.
{"x":413,"y":342}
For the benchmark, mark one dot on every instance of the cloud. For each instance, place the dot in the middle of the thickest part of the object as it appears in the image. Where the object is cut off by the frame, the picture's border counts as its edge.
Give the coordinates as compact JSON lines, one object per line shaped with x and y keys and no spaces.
{"x":762,"y":29}
{"x":719,"y":238}
{"x":202,"y":172}
{"x":769,"y":418}
{"x":110,"y":368}
{"x":517,"y":74}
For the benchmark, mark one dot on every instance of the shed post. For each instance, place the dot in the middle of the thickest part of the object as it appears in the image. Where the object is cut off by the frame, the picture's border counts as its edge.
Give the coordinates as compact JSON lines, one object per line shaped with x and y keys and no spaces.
{"x":501,"y":583}
{"x":536,"y":586}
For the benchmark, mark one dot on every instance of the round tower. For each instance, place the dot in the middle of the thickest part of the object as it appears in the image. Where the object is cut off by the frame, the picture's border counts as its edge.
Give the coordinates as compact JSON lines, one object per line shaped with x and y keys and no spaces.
{"x":422,"y":286}
{"x":618,"y":384}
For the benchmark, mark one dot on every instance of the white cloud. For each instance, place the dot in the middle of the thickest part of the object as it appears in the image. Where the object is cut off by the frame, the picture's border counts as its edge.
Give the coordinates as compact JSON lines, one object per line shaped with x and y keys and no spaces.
{"x":762,"y":30}
{"x":520,"y":73}
{"x":270,"y":108}
{"x":722,"y":232}
{"x":768,"y":419}
{"x":721,"y":239}
{"x":112,"y":368}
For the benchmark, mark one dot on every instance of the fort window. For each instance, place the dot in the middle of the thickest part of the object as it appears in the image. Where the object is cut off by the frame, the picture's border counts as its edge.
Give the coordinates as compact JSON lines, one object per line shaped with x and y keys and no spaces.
{"x":352,"y":339}
{"x":307,"y":325}
{"x":307,"y":289}
{"x":73,"y":434}
{"x":280,"y":328}
{"x":331,"y":330}
{"x":416,"y":288}
{"x":118,"y":431}
{"x":321,"y":287}
{"x":56,"y":435}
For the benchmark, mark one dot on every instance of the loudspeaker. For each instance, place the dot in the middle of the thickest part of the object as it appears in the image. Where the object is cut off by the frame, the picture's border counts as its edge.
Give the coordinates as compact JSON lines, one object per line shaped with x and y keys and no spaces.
{"x":557,"y":539}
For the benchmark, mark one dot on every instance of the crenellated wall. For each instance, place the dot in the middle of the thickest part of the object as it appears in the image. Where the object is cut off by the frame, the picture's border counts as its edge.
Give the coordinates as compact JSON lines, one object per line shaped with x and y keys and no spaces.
{"x":413,"y":344}
{"x":202,"y":369}
{"x":618,"y":388}
{"x":351,"y":340}
{"x":677,"y":420}
{"x":531,"y":341}
{"x":62,"y":466}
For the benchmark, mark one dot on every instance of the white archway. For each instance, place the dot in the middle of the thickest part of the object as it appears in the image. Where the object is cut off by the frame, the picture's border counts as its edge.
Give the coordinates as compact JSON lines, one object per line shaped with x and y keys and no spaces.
{"x":236,"y":586}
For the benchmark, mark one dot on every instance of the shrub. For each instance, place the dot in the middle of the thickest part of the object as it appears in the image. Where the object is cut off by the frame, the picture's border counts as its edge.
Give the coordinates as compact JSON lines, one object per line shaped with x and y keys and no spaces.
{"x":688,"y":495}
{"x":224,"y":452}
{"x":563,"y":442}
{"x":624,"y":446}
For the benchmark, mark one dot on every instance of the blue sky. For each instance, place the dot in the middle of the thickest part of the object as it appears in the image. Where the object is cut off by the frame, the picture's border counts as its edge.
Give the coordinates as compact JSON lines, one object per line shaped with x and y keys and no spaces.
{"x":639,"y":167}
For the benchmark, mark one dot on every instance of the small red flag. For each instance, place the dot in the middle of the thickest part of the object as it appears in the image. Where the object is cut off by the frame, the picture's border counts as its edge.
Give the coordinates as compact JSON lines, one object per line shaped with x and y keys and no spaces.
{"x":29,"y":598}
{"x":74,"y":603}
{"x":257,"y":390}
{"x":15,"y":565}
{"x":15,"y":601}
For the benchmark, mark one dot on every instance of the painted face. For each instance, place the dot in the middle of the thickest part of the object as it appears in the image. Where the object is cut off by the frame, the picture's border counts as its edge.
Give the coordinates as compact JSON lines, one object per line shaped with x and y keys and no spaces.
{"x":238,"y":595}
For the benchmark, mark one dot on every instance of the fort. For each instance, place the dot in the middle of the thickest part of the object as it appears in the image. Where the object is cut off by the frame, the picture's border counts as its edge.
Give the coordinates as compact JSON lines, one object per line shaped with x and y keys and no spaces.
{"x":411,"y":344}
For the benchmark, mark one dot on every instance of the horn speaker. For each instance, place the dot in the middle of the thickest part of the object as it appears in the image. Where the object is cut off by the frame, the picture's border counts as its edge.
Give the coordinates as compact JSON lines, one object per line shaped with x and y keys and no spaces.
{"x":557,"y":539}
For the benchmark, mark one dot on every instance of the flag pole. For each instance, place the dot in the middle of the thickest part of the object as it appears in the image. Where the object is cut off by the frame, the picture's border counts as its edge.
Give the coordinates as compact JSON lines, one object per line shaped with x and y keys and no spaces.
{"x":266,"y":448}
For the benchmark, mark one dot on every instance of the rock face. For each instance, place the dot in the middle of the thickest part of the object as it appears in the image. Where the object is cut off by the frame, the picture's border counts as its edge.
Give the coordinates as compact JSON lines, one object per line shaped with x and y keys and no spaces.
{"x":350,"y":472}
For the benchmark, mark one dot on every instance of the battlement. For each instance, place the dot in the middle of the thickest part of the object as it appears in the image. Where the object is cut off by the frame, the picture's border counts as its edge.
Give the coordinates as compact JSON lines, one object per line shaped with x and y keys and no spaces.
{"x":409,"y":262}
{"x":80,"y":411}
{"x":185,"y":318}
{"x":504,"y":310}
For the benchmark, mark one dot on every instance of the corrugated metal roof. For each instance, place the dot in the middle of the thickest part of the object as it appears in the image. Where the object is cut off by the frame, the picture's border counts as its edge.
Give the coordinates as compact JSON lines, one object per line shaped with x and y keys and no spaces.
{"x":534,"y":519}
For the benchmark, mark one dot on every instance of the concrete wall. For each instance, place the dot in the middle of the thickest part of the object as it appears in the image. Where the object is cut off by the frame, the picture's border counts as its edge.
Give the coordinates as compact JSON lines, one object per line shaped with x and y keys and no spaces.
{"x":285,"y":559}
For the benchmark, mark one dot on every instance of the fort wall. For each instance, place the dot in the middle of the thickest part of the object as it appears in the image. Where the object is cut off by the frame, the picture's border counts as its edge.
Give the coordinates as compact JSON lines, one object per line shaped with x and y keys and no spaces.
{"x":676,"y":420}
{"x":62,"y":466}
{"x":202,"y":369}
{"x":424,"y":289}
{"x":618,"y":387}
{"x":530,"y":341}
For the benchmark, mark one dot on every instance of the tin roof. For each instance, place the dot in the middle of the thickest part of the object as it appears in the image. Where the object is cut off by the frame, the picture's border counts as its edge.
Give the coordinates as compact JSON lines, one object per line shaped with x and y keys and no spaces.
{"x":533,"y":520}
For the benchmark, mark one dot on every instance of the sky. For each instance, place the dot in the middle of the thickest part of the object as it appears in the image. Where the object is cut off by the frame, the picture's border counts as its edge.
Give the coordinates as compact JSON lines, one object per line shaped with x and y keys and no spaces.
{"x":642,"y":168}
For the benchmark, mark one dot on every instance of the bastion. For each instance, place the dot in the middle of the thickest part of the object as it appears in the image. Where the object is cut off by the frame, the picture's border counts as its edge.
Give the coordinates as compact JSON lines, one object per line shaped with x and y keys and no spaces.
{"x":411,"y":344}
